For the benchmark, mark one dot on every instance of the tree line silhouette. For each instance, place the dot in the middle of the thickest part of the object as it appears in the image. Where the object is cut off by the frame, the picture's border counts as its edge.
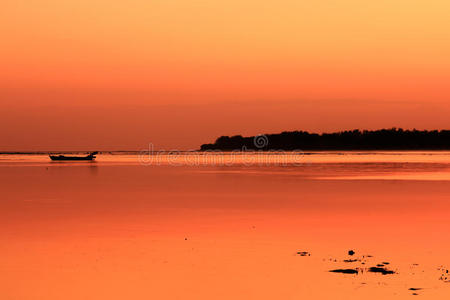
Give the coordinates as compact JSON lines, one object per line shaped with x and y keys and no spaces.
{"x":384,"y":139}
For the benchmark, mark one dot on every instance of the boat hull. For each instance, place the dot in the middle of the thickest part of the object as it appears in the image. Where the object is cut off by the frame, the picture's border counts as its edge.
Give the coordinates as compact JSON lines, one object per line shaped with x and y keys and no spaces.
{"x":71,"y":158}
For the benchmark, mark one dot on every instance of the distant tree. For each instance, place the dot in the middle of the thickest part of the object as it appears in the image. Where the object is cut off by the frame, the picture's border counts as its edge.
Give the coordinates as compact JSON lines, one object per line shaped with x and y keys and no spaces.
{"x":383,"y":139}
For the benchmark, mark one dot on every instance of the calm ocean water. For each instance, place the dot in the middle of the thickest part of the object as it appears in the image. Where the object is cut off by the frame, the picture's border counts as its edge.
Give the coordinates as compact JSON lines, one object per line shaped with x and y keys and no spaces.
{"x":225,"y":226}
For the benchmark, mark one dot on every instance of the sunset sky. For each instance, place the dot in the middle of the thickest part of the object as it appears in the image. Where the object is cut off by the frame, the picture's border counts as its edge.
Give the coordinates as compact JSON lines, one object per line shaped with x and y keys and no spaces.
{"x":100,"y":74}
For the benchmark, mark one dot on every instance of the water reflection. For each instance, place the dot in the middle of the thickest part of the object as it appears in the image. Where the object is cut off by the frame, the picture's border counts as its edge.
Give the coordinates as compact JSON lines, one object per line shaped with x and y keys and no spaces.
{"x":117,"y":229}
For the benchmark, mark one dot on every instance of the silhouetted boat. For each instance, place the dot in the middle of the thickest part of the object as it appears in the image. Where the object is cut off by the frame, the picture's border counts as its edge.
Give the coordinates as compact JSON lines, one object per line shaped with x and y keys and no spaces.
{"x":91,"y":156}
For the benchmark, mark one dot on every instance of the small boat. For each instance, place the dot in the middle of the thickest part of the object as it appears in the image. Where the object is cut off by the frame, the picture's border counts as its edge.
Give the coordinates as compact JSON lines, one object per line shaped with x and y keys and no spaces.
{"x":91,"y":156}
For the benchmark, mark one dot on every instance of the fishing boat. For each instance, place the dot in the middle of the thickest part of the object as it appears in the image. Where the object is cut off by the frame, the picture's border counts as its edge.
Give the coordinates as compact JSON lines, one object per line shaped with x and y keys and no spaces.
{"x":90,"y":156}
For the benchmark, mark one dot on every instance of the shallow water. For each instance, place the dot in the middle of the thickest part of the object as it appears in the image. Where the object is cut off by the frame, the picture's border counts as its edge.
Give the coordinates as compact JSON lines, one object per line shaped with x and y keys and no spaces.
{"x":225,"y":226}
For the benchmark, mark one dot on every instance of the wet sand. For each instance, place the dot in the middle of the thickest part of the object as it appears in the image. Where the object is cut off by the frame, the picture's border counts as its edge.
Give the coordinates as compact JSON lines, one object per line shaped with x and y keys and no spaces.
{"x":116,"y":229}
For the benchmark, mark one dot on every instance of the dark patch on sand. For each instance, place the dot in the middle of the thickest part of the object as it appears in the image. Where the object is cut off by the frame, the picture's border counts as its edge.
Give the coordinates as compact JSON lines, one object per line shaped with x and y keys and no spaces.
{"x":445,"y":275}
{"x":359,"y":268}
{"x":383,"y":271}
{"x":345,"y":271}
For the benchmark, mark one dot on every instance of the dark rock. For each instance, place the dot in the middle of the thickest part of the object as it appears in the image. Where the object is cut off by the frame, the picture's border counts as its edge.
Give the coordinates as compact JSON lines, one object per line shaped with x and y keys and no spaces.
{"x":345,"y":271}
{"x":383,"y":271}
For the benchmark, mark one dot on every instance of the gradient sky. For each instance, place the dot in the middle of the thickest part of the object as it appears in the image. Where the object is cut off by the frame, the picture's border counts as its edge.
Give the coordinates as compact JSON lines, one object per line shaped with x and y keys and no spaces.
{"x":101,"y":74}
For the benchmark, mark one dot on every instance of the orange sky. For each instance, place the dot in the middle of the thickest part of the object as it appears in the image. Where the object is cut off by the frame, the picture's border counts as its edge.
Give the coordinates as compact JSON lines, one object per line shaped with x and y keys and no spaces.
{"x":79,"y":74}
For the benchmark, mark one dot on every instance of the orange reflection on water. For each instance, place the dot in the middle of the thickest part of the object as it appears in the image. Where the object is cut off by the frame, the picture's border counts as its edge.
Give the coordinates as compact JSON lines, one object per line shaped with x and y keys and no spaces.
{"x":117,"y":229}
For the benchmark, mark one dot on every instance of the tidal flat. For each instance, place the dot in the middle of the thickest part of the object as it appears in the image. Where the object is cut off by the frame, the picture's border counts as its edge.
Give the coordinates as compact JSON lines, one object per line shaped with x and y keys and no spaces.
{"x":333,"y":225}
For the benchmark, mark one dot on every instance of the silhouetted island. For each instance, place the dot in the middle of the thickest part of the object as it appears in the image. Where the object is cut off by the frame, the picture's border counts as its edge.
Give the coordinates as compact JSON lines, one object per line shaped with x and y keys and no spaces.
{"x":384,"y":139}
